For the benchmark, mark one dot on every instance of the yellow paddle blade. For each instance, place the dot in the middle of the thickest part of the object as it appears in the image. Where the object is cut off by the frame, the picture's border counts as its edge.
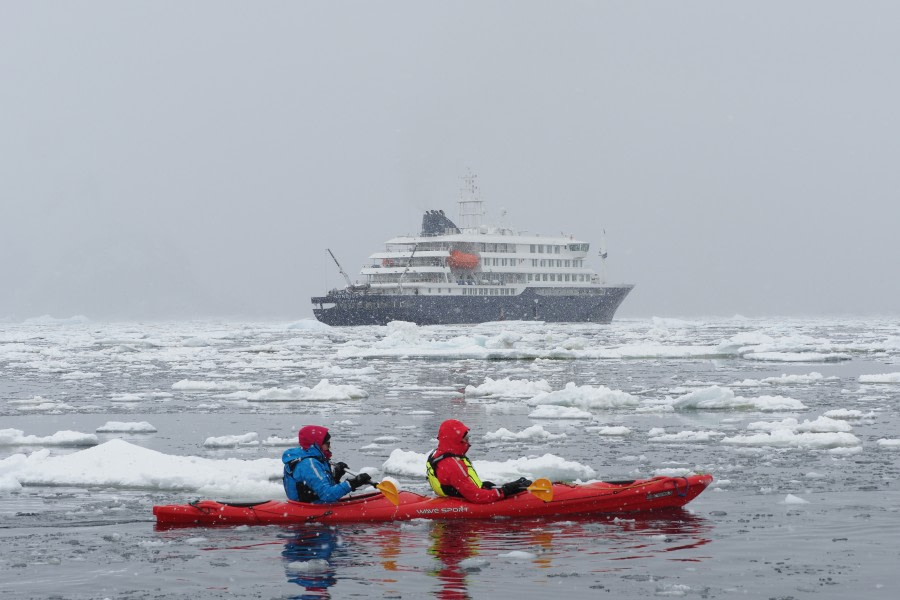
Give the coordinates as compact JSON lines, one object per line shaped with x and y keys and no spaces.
{"x":390,"y":492}
{"x":542,"y":488}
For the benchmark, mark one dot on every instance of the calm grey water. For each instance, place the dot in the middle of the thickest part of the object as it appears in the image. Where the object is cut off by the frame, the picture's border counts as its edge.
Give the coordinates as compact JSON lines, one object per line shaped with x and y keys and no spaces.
{"x":741,"y":538}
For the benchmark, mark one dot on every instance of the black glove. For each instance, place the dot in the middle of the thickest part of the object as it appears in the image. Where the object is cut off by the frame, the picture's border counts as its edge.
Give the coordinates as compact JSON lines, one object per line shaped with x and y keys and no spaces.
{"x":488,"y":485}
{"x":340,"y":469}
{"x":515,"y":487}
{"x":360,"y":480}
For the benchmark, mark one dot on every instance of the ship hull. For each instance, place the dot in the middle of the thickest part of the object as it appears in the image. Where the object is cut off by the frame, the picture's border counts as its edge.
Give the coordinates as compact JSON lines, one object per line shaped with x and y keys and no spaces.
{"x":549,"y":304}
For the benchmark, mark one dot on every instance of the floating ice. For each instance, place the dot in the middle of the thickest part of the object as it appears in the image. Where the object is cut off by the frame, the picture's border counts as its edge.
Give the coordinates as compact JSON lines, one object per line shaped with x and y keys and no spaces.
{"x":559,"y":412}
{"x":585,"y":397}
{"x":39,"y":404}
{"x":309,"y":325}
{"x":274,"y":440}
{"x":230,"y":441}
{"x":412,"y":464}
{"x":533,"y":433}
{"x":610,"y":430}
{"x":784,"y":380}
{"x":684,"y":436}
{"x":788,"y":438}
{"x":893,"y":444}
{"x":820,"y":425}
{"x":508,"y":388}
{"x":849,"y":415}
{"x":126,"y":427}
{"x":74,"y":375}
{"x":347,"y":371}
{"x":117,"y":463}
{"x":882,"y":378}
{"x":17,"y":437}
{"x":792,"y":499}
{"x":187,"y":385}
{"x":322,"y":391}
{"x":797,"y":356}
{"x":719,"y":398}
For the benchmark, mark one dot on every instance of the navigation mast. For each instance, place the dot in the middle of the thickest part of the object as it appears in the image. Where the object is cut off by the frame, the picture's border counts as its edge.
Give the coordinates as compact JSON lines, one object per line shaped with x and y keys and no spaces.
{"x":471,"y":208}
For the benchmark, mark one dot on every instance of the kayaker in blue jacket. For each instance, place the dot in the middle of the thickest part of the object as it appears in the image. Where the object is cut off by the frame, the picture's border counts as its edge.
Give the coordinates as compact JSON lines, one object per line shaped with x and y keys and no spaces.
{"x":308,"y":475}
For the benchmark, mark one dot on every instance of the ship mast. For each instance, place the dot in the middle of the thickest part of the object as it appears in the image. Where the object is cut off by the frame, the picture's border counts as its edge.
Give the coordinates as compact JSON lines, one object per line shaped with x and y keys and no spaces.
{"x":602,"y":254}
{"x":471,"y":208}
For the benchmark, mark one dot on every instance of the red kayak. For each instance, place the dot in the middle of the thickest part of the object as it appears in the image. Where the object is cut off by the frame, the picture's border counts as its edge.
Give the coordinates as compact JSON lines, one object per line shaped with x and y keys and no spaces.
{"x":642,"y":495}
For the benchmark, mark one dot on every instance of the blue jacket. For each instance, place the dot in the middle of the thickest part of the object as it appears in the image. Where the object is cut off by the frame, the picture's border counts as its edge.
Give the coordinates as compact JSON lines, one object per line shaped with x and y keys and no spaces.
{"x":310,"y":473}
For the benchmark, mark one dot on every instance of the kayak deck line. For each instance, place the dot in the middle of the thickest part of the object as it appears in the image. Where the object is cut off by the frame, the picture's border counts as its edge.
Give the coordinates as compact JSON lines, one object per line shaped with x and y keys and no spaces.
{"x":643,"y":495}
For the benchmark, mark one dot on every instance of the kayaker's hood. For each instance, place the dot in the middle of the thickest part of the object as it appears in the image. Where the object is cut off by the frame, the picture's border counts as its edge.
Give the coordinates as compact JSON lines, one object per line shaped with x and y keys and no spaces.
{"x":450,"y":438}
{"x":314,"y":436}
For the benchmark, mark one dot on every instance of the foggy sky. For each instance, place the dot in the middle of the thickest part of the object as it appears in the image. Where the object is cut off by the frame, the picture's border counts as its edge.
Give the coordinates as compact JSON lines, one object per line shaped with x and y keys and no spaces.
{"x":195,"y":159}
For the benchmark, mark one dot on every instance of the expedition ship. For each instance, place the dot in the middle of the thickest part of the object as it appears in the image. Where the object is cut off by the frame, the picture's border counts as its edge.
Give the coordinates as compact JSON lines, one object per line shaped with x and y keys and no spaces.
{"x":473,"y":273}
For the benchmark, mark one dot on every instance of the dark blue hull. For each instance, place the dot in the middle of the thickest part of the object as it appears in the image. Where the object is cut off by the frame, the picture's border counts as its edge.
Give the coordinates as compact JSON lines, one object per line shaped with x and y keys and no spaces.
{"x":360,"y":308}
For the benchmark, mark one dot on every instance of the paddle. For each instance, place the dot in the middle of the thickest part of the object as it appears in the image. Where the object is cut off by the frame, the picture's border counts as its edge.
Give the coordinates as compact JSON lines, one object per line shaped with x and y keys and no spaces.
{"x":542,"y":488}
{"x":387,"y":488}
{"x":390,"y":492}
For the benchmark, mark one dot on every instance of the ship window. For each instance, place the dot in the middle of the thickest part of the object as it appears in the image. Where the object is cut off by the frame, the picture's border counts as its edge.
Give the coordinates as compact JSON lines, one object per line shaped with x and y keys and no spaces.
{"x":552,"y":277}
{"x":529,"y":277}
{"x":568,"y":263}
{"x":540,"y":248}
{"x":556,"y":249}
{"x":545,"y":277}
{"x":532,"y":248}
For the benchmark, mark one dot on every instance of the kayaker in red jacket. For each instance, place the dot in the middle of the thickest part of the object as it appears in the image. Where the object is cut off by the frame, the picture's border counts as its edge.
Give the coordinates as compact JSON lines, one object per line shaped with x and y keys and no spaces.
{"x":450,"y":472}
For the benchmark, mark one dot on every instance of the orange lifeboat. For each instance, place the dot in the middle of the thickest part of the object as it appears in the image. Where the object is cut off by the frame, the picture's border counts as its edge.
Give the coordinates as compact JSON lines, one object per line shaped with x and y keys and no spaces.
{"x":461,"y":260}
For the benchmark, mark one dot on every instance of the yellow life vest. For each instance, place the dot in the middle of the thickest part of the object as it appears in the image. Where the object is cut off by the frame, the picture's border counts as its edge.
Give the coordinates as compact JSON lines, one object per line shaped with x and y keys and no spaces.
{"x":448,"y":490}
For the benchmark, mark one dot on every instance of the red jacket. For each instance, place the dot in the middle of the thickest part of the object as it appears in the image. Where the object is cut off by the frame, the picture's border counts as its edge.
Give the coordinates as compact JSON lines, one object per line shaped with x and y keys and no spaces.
{"x":452,"y":471}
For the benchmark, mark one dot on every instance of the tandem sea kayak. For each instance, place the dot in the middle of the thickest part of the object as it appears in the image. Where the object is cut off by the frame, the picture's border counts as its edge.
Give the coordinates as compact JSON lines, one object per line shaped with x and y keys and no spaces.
{"x":642,"y":495}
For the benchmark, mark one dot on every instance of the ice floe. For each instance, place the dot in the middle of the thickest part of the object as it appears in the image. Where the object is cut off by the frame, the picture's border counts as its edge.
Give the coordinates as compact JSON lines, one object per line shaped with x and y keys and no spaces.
{"x":849,"y":414}
{"x":117,"y":463}
{"x":548,"y":411}
{"x":585,"y":397}
{"x":126,"y":427}
{"x":412,"y":464}
{"x":508,"y":388}
{"x":789,"y":438}
{"x":880,"y":378}
{"x":322,"y":391}
{"x":535,"y":433}
{"x":720,"y":398}
{"x":784,"y":380}
{"x":232,"y":441}
{"x":17,"y":437}
{"x":660,"y":436}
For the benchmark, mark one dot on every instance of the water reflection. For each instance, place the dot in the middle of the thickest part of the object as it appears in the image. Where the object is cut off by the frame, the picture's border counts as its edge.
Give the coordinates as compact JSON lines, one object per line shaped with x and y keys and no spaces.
{"x":463,"y":548}
{"x":307,"y":557}
{"x":457,"y":551}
